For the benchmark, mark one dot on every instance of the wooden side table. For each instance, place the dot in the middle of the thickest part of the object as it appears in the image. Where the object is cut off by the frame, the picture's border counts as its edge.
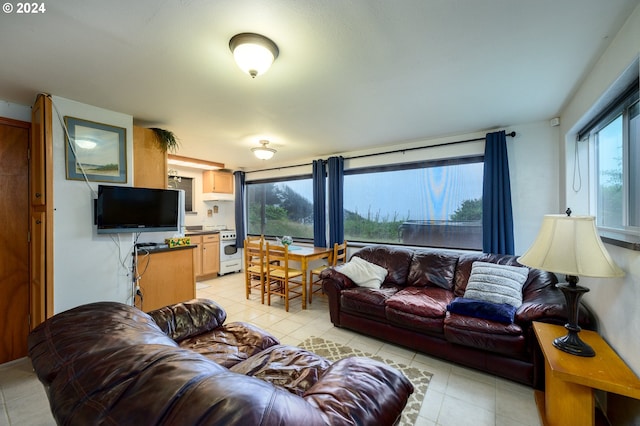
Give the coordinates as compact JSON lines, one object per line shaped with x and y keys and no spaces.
{"x":570,"y":380}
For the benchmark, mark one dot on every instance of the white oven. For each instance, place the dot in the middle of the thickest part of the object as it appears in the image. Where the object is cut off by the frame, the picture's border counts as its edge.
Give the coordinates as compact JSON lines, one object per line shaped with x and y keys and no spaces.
{"x":230,"y":257}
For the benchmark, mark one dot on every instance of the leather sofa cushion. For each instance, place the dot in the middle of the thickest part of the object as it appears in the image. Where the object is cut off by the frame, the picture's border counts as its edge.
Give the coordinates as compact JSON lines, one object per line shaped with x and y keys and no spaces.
{"x":492,"y":336}
{"x":395,"y":260}
{"x":191,"y":318}
{"x":429,"y":302}
{"x":430,"y":268}
{"x":419,"y":308}
{"x":231,"y":343}
{"x":366,"y":301}
{"x":426,"y":325}
{"x":288,"y":367}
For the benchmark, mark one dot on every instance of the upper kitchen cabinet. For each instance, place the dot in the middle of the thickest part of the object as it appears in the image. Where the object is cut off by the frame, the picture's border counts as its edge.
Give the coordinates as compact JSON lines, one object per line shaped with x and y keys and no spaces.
{"x":149,"y":161}
{"x":217,"y":181}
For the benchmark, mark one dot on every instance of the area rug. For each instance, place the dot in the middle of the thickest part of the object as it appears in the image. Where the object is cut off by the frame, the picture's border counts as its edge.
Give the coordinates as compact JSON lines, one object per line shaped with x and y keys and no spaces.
{"x":419,"y":378}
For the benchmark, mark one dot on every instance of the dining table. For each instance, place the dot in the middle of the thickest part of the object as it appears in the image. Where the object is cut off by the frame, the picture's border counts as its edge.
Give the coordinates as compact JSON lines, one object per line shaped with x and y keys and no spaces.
{"x":304,"y":255}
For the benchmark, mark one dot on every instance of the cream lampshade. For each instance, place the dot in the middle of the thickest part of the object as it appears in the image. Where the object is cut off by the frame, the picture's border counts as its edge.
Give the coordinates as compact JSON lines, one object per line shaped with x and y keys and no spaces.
{"x":570,"y":245}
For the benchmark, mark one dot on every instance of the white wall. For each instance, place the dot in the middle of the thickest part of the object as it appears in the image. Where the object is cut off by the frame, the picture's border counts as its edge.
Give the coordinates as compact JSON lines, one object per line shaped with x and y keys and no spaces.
{"x":87,"y":267}
{"x":615,"y":301}
{"x":15,"y":111}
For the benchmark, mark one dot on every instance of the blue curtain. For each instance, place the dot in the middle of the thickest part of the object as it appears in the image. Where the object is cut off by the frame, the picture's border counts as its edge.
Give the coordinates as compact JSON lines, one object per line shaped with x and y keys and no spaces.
{"x":336,"y":189}
{"x":319,"y":208}
{"x":497,"y":216}
{"x":239,"y":205}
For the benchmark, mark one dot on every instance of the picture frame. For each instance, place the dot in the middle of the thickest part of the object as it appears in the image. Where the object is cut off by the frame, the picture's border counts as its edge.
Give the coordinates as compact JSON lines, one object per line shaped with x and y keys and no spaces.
{"x":95,"y":151}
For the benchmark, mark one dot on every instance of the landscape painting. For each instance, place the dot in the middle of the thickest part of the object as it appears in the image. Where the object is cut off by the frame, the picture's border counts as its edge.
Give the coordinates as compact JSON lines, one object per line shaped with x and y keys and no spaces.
{"x":95,"y":151}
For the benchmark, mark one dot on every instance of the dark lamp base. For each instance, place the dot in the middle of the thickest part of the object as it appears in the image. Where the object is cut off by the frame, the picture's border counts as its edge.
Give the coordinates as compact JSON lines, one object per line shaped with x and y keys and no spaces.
{"x":572,"y":344}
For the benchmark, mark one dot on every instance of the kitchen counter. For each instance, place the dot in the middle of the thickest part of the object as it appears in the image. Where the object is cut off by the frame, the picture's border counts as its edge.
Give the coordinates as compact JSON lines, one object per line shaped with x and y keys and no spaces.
{"x":157,"y":249}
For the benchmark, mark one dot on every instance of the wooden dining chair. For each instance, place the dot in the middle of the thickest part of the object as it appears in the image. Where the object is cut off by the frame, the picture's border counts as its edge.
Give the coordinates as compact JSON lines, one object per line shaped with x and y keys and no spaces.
{"x":338,"y":256}
{"x":255,"y":265}
{"x":280,"y":277}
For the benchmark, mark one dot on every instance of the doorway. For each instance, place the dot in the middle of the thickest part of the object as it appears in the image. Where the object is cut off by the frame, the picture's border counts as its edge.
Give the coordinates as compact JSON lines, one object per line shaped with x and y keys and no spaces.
{"x":14,"y":238}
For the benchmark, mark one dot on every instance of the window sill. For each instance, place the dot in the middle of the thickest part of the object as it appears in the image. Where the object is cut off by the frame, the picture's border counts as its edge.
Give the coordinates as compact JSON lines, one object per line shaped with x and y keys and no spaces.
{"x":630,"y":242}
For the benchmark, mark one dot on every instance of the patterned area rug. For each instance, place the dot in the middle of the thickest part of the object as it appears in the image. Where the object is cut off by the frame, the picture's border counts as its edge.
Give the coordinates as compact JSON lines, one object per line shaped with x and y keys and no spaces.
{"x":418,"y":377}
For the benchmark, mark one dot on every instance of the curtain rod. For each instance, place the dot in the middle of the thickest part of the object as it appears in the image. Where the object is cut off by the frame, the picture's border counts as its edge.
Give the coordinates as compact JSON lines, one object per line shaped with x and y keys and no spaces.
{"x":511,"y":134}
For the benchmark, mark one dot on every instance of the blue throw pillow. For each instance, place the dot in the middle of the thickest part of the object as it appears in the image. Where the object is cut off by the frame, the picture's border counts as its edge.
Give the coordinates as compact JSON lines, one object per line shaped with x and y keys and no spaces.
{"x":500,"y":312}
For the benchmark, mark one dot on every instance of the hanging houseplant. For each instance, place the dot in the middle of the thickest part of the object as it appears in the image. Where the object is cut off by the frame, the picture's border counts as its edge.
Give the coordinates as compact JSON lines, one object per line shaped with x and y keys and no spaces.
{"x":166,"y":140}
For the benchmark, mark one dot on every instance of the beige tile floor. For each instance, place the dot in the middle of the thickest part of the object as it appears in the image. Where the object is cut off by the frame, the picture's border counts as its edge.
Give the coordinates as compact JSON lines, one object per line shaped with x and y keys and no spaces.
{"x":456,"y":396}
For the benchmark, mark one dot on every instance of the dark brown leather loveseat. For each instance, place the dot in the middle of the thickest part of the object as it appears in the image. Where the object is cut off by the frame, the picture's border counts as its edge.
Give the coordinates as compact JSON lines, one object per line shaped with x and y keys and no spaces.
{"x":410,"y":309}
{"x":109,"y":363}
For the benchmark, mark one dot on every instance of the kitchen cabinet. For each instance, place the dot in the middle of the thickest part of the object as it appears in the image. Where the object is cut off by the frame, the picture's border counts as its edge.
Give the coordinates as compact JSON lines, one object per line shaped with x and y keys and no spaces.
{"x":149,"y":161}
{"x":210,"y":254}
{"x":217,"y":181}
{"x":207,"y":254}
{"x":168,"y":277}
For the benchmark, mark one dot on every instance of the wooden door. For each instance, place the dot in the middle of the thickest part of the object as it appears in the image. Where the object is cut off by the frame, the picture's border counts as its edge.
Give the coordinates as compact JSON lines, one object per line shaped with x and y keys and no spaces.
{"x":14,"y":239}
{"x":41,"y":211}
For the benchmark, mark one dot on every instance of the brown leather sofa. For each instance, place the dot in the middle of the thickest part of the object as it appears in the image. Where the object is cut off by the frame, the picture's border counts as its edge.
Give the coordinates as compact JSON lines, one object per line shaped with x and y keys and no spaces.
{"x":410,"y":309}
{"x":109,"y":363}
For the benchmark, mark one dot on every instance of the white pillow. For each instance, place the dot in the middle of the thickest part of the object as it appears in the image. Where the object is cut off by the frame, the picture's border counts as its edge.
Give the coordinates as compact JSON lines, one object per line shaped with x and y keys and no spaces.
{"x":363,"y":273}
{"x":495,"y":283}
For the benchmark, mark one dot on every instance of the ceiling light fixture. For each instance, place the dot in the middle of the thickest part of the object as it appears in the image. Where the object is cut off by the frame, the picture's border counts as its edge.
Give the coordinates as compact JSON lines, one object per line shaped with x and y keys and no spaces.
{"x":254,"y":53}
{"x":263,"y":152}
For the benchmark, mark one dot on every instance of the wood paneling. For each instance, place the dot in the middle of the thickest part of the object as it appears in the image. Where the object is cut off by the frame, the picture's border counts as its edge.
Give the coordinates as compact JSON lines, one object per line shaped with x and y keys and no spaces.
{"x":149,"y":161}
{"x":41,"y":210}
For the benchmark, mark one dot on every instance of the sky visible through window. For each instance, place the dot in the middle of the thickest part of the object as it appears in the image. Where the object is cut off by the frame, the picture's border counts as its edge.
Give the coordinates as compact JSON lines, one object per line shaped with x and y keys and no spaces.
{"x":432,"y":193}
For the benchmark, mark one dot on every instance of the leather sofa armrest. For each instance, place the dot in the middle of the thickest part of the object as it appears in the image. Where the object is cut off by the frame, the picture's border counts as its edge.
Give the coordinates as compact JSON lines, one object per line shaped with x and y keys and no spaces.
{"x":188,"y":319}
{"x":542,"y":307}
{"x":337,"y":279}
{"x":550,"y":306}
{"x":333,"y":282}
{"x":360,"y":391}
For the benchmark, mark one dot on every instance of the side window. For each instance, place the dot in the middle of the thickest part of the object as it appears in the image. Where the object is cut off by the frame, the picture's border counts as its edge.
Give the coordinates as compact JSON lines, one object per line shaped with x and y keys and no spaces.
{"x":617,"y":162}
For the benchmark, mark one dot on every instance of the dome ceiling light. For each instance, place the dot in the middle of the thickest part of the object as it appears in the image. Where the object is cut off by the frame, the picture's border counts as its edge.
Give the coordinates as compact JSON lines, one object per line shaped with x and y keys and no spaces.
{"x":263,"y":152}
{"x":254,"y":53}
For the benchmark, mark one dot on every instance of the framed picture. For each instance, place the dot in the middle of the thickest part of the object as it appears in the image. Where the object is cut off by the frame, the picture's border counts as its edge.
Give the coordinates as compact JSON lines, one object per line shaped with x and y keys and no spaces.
{"x":95,"y":151}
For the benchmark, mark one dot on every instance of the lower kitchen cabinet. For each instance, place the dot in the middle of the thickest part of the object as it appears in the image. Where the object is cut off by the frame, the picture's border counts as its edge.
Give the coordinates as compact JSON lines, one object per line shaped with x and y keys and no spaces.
{"x":207,"y":255}
{"x":166,"y":277}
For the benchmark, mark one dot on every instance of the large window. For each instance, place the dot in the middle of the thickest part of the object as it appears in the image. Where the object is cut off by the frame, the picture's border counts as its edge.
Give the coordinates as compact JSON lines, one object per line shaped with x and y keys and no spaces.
{"x":436,"y":204}
{"x":617,"y":165}
{"x":282,"y":207}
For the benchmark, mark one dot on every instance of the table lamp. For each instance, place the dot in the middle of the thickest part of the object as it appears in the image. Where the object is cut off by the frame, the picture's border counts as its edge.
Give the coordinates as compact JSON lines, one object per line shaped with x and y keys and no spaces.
{"x":570,"y":245}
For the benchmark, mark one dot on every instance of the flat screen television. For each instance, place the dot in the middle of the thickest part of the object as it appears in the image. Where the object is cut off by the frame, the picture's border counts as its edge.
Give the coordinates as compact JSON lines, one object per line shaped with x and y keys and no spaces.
{"x":121,"y":209}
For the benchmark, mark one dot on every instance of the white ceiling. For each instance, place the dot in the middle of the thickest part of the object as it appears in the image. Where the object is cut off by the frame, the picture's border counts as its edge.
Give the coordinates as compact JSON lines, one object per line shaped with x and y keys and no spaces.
{"x":351,"y":74}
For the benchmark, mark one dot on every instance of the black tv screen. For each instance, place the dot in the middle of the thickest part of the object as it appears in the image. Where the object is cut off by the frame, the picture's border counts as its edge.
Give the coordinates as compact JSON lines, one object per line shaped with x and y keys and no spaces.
{"x":122,"y":209}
